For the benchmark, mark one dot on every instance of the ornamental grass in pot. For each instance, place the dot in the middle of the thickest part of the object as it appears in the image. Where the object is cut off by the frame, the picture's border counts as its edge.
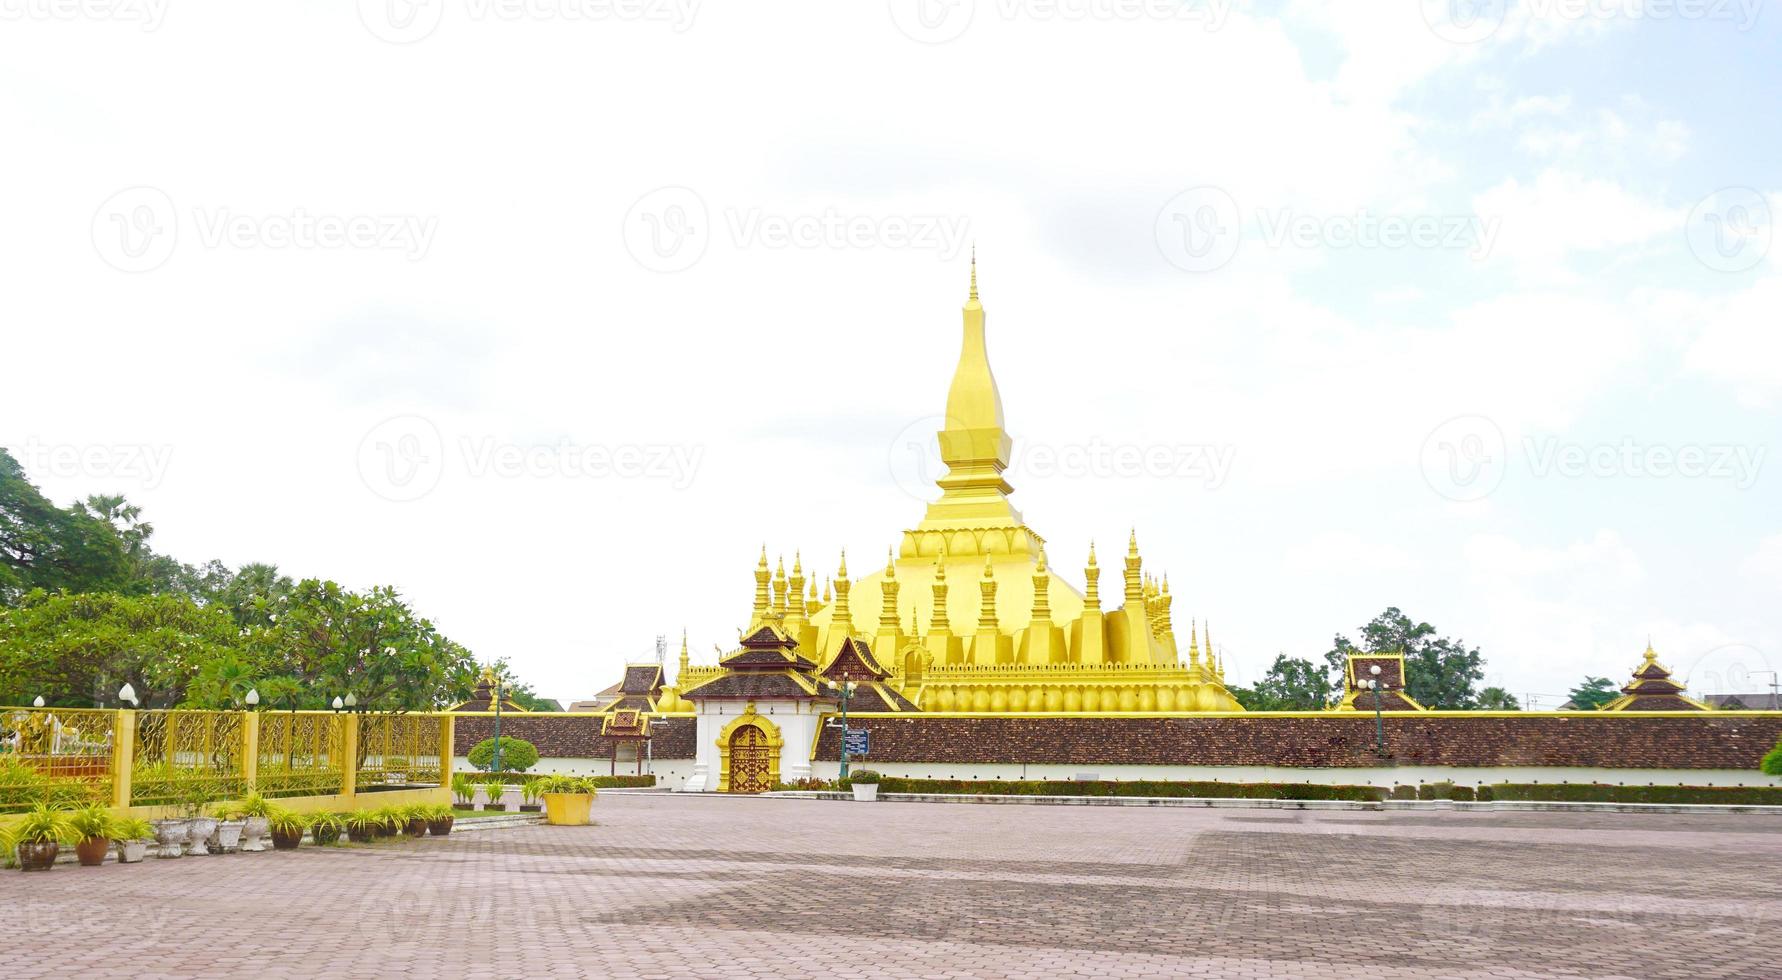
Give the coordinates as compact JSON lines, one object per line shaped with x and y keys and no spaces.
{"x":567,"y":799}
{"x":440,"y":820}
{"x":254,"y":811}
{"x":93,"y":828}
{"x":325,"y":828}
{"x":865,"y":783}
{"x":464,"y":787}
{"x":414,"y":820}
{"x":133,"y":836}
{"x":362,"y":826}
{"x":36,"y":838}
{"x":286,"y":828}
{"x":200,"y":826}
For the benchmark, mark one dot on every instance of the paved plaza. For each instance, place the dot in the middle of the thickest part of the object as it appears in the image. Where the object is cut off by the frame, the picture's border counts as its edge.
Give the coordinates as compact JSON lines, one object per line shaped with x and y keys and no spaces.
{"x":672,"y":886}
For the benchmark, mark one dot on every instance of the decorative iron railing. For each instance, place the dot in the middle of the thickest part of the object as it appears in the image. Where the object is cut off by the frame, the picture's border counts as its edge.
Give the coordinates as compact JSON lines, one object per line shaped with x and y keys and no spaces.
{"x":186,"y":757}
{"x":299,"y":754}
{"x":55,"y":755}
{"x":399,"y":750}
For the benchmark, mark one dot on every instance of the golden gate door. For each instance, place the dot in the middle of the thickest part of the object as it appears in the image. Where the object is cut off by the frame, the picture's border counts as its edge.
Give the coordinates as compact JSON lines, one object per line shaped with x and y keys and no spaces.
{"x":751,"y":761}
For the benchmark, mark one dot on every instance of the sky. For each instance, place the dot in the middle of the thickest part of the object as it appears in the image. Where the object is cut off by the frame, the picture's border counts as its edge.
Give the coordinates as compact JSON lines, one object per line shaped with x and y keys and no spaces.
{"x":551,"y":313}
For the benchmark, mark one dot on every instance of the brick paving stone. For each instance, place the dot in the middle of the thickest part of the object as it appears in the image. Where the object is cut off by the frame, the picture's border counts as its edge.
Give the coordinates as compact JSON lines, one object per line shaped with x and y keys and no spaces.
{"x":667,"y":887}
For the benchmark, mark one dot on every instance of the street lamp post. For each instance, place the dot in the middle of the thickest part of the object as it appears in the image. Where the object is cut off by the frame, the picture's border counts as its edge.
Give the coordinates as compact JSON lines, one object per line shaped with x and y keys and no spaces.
{"x":1373,"y":684}
{"x":844,"y":691}
{"x":495,"y":695}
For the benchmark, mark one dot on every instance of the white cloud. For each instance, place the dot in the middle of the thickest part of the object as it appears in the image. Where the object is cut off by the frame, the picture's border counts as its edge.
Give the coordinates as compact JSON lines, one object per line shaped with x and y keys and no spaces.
{"x":1559,"y":214}
{"x":1344,"y":552}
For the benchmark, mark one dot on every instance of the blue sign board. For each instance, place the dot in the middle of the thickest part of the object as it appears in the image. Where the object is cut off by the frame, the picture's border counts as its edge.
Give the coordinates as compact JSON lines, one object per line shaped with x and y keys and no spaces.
{"x":858,"y":741}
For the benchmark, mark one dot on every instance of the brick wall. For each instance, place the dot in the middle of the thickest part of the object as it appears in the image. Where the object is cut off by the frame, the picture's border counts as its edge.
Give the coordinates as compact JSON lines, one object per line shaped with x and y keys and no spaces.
{"x":1336,"y":740}
{"x":572,"y":736}
{"x":1707,"y":740}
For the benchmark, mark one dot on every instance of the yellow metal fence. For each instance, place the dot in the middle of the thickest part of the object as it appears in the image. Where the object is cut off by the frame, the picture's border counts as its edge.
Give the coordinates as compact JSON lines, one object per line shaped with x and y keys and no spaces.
{"x":186,"y":758}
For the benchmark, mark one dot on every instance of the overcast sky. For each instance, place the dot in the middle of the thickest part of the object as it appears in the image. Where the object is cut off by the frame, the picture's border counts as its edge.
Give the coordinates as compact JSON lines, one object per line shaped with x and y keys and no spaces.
{"x":551,"y":313}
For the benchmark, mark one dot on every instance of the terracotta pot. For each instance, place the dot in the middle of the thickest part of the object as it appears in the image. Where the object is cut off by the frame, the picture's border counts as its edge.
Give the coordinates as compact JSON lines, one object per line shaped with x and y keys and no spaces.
{"x":440,"y":827}
{"x":361,"y":835}
{"x":92,"y":851}
{"x":286,"y":840}
{"x":325,"y":835}
{"x":417,"y":827}
{"x":37,"y":855}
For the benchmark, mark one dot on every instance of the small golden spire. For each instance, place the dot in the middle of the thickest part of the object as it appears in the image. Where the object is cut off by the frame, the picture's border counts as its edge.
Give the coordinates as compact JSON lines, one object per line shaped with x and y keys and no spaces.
{"x":890,"y":564}
{"x":974,"y":272}
{"x":1132,"y":543}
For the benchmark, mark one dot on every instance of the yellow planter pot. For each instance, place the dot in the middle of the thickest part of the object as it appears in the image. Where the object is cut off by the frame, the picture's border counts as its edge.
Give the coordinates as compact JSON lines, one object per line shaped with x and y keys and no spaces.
{"x":567,"y":809}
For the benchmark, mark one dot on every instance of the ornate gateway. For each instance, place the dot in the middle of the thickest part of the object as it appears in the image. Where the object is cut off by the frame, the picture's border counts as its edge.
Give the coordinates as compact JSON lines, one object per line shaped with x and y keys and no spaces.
{"x":751,"y":761}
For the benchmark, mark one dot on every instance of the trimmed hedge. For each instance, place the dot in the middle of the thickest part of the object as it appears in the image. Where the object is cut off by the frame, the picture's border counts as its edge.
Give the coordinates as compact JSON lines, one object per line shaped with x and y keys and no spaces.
{"x":516,"y":752}
{"x":600,"y":782}
{"x":1605,"y":793}
{"x":1072,"y":787}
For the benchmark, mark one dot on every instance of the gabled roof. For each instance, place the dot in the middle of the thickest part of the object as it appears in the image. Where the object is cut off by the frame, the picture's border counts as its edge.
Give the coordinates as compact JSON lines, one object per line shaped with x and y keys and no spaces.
{"x":763,"y":685}
{"x":1653,"y":690}
{"x":768,"y":647}
{"x":642,"y":679}
{"x":854,"y":661}
{"x":1360,"y":666}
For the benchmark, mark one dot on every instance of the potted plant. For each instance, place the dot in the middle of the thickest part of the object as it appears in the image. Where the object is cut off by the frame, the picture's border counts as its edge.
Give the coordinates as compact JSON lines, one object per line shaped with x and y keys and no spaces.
{"x":529,"y":794}
{"x":387,"y":821}
{"x":464,"y":791}
{"x":286,"y":827}
{"x":225,"y":838}
{"x":415,"y":820}
{"x":254,"y":810}
{"x":133,"y":835}
{"x":37,"y":837}
{"x":200,"y":826}
{"x":92,"y":828}
{"x":567,"y":799}
{"x":361,"y":826}
{"x":325,"y":828}
{"x":170,"y":836}
{"x":440,"y":820}
{"x":866,"y":785}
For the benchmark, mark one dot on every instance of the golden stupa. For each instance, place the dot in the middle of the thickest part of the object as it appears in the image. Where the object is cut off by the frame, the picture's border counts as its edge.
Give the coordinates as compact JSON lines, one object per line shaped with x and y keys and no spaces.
{"x":967,"y":613}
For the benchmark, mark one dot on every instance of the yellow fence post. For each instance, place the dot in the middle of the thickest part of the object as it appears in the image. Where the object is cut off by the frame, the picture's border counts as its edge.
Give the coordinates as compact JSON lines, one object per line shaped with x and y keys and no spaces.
{"x":123,"y":756}
{"x":446,"y":749}
{"x":250,"y":752}
{"x":349,"y":758}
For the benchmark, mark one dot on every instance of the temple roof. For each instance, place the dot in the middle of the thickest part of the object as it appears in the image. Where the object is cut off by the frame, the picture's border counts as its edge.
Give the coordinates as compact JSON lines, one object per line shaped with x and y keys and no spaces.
{"x":766,"y":685}
{"x":854,"y":661}
{"x":482,"y":696}
{"x":642,"y":679}
{"x":1653,"y":690}
{"x":1360,"y":666}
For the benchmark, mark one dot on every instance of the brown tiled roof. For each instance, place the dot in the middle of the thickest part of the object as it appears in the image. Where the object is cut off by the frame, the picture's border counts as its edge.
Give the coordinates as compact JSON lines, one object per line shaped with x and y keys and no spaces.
{"x":854,"y":661}
{"x":642,"y":679}
{"x":764,"y":684}
{"x":758,"y":657}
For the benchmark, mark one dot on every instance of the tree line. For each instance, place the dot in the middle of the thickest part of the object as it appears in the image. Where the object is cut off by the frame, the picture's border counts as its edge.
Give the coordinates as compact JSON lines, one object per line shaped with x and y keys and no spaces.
{"x":87,"y":605}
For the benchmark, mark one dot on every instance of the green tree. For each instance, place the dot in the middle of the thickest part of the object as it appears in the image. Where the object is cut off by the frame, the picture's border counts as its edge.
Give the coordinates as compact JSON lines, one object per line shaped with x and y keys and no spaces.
{"x":1593,"y":693}
{"x":324,"y":641}
{"x":43,"y":546}
{"x":1439,"y":672}
{"x":1291,"y":684}
{"x":1772,"y":761}
{"x":1498,"y":699}
{"x":79,"y":649}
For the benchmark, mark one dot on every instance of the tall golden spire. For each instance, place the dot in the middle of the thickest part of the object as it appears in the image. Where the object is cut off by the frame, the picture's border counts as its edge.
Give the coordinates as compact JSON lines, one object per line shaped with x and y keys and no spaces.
{"x":973,"y":444}
{"x":842,"y":617}
{"x":779,"y":589}
{"x":937,"y":621}
{"x":680,"y":676}
{"x":763,"y":598}
{"x":888,"y":586}
{"x":1042,"y":602}
{"x":1135,"y":586}
{"x":1092,"y":576}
